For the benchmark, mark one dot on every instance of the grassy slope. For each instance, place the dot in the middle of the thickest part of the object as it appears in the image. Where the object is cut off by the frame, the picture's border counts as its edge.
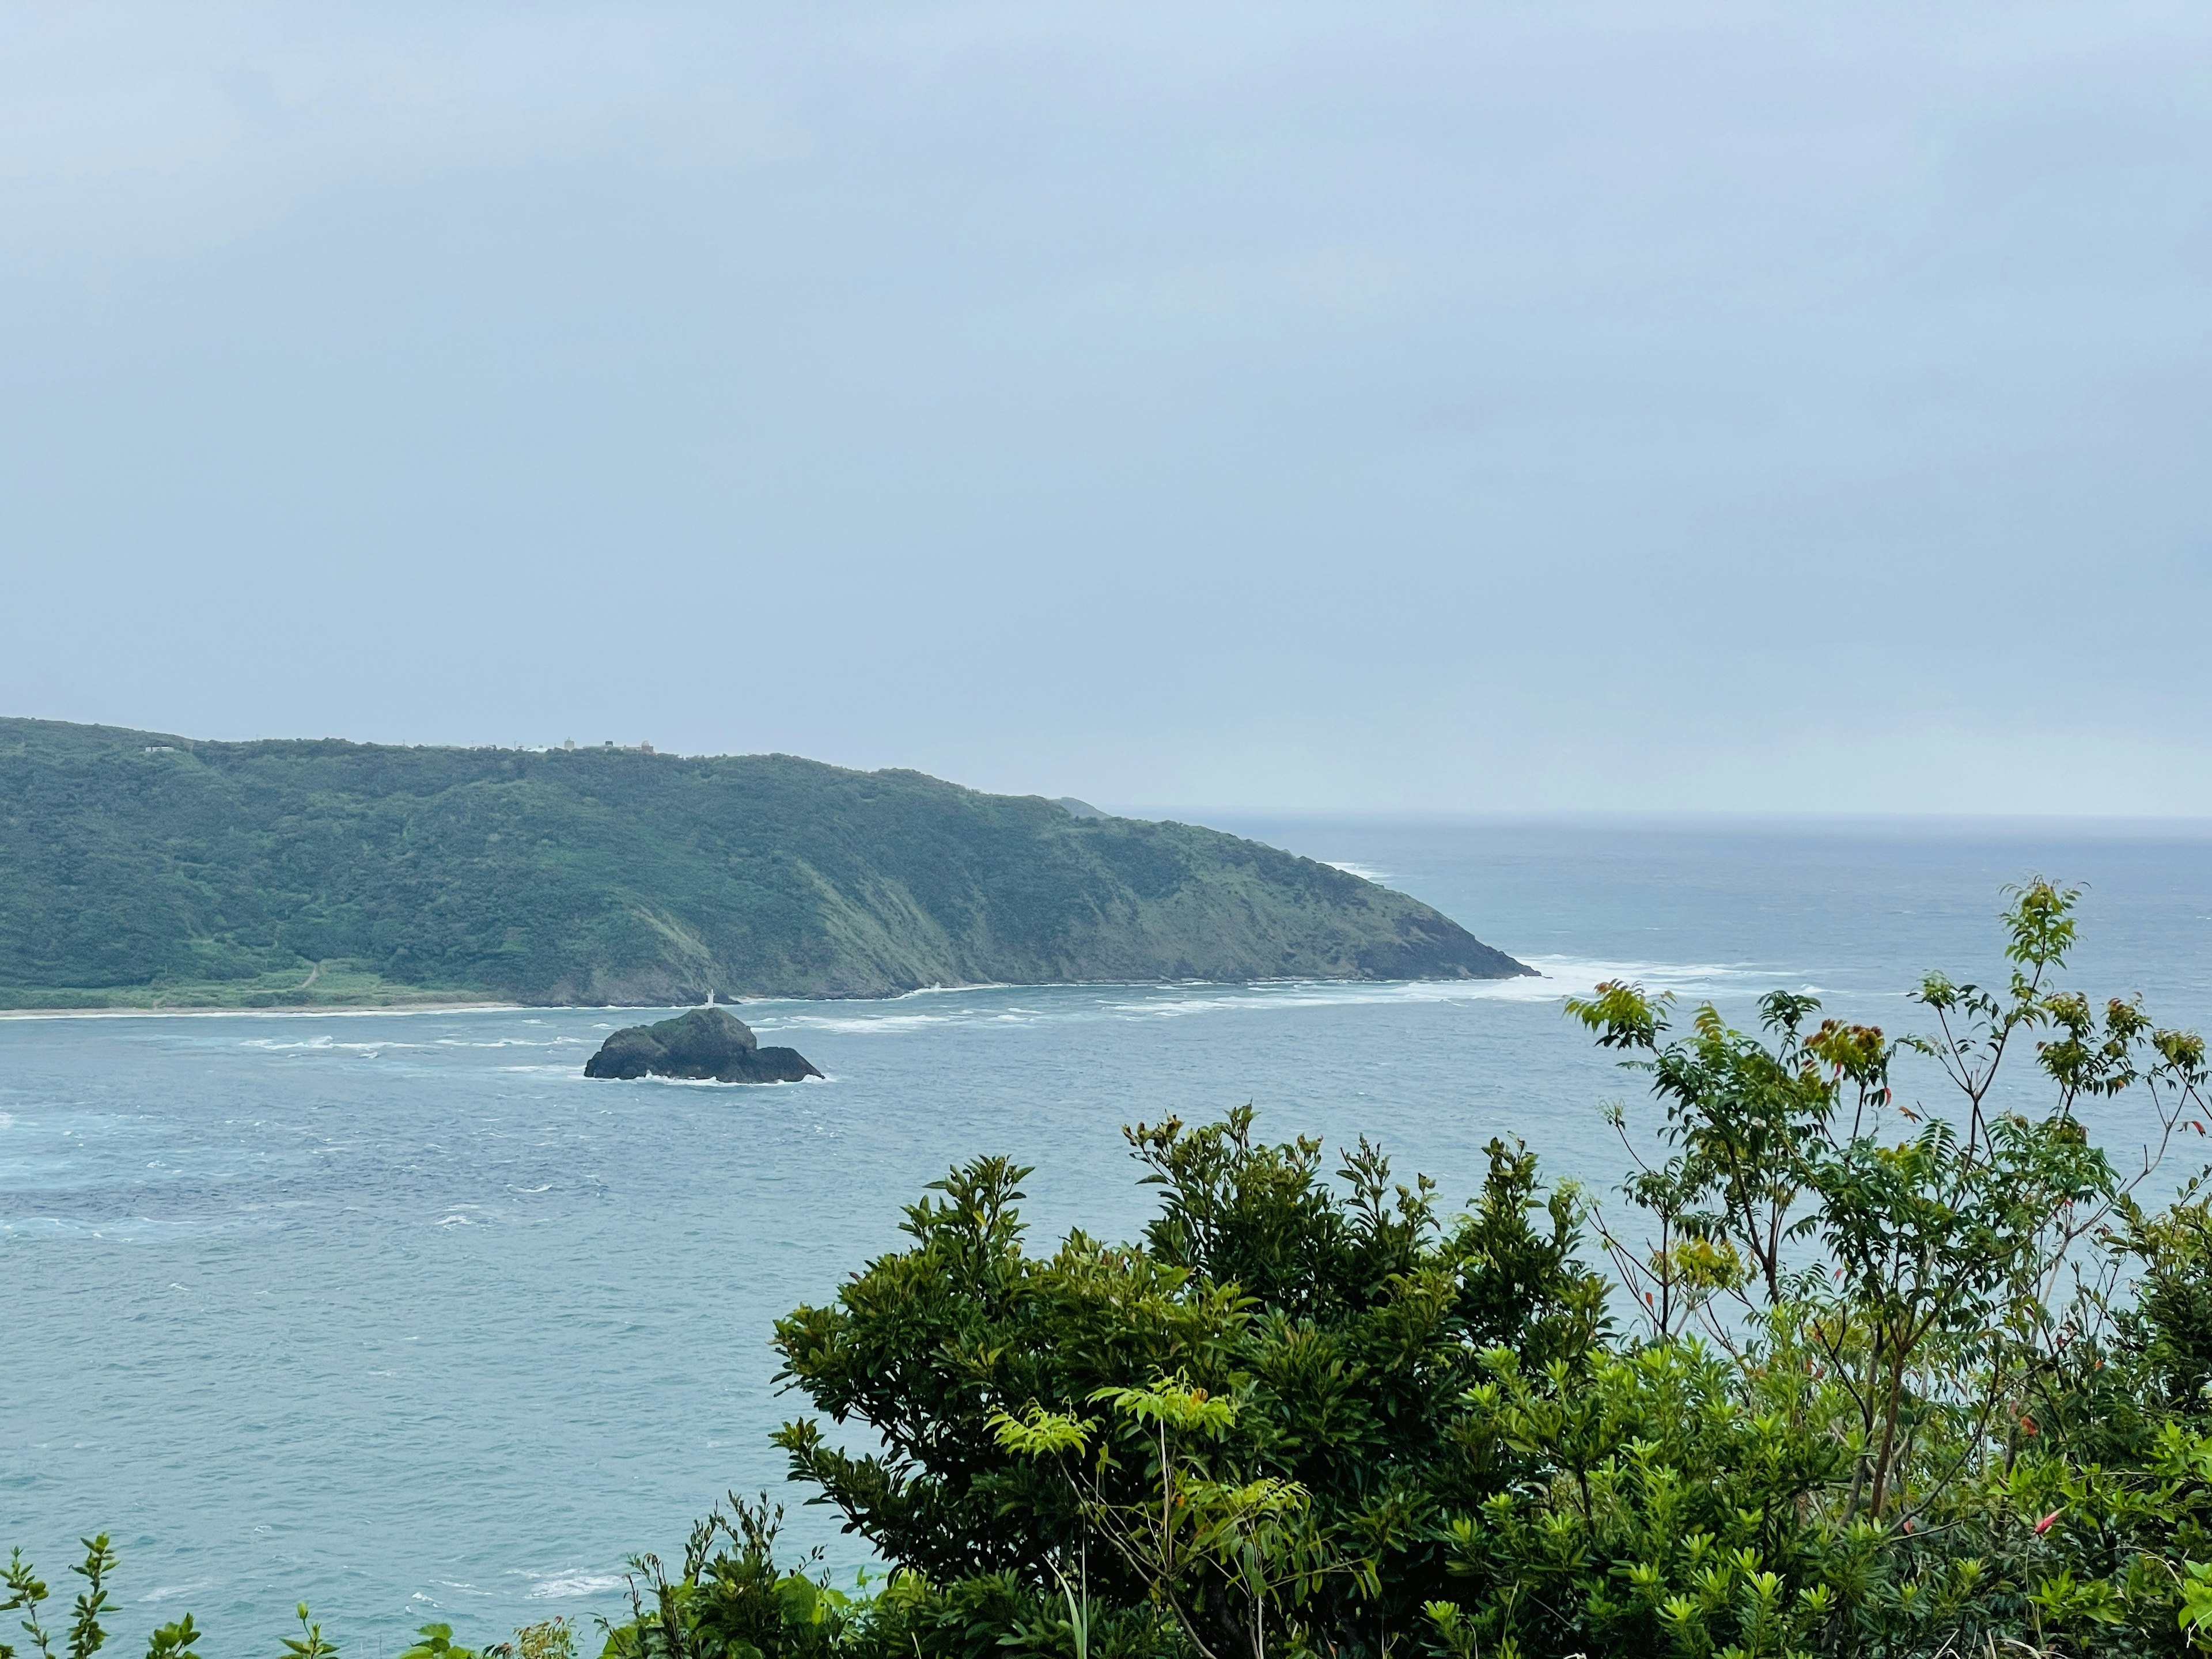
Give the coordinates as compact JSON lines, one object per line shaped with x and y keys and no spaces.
{"x":136,"y":867}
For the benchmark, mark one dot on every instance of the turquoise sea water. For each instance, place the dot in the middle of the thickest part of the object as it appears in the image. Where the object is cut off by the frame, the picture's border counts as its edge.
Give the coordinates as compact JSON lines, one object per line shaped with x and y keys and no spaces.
{"x":399,"y":1314}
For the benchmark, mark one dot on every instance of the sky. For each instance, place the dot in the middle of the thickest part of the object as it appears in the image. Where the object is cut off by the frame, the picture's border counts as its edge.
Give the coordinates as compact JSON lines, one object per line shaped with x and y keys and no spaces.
{"x":1366,"y":408}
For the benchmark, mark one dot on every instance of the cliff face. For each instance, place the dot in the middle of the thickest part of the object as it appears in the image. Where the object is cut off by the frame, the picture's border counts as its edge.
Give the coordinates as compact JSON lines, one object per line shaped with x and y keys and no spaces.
{"x":135,"y":866}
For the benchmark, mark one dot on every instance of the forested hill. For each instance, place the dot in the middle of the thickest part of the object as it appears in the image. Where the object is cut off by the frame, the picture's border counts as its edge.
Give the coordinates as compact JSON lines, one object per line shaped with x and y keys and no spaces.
{"x":136,"y":869}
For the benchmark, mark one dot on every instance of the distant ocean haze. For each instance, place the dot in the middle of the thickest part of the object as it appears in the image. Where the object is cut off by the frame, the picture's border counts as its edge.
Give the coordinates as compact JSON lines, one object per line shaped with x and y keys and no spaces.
{"x":399,"y":1313}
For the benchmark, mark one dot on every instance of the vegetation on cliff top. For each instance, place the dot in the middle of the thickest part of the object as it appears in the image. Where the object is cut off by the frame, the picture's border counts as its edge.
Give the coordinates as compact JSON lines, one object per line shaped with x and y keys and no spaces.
{"x":137,"y":869}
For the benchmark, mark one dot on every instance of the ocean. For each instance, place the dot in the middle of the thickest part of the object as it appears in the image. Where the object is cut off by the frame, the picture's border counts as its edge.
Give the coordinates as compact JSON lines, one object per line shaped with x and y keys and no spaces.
{"x":398,"y":1314}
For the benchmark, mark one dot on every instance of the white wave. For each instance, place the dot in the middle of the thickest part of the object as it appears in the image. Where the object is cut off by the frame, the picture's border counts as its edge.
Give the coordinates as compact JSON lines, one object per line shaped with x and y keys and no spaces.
{"x":1327,"y":994}
{"x":1556,"y":977}
{"x":1365,"y":872}
{"x":137,"y":1226}
{"x":713,"y":1082}
{"x":170,"y":1592}
{"x":563,"y":1586}
{"x":326,"y":1043}
{"x":1579,"y":973}
{"x":888,"y":1022}
{"x":990,"y":1007}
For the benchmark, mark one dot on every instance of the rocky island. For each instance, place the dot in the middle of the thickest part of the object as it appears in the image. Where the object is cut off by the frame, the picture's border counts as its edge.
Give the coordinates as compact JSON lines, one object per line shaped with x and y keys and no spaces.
{"x":705,"y":1045}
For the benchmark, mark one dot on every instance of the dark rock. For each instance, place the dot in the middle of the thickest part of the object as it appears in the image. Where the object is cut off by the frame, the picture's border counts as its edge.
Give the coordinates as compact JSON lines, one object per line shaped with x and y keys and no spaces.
{"x":704,"y":1043}
{"x":776,"y":1065}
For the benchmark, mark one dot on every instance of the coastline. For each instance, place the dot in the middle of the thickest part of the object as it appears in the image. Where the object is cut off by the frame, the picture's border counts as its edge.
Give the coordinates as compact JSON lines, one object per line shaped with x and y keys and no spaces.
{"x":201,"y":1010}
{"x":428,"y":1005}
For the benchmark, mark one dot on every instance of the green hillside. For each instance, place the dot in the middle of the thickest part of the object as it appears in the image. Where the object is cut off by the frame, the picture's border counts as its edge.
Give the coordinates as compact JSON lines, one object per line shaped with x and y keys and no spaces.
{"x":137,"y":869}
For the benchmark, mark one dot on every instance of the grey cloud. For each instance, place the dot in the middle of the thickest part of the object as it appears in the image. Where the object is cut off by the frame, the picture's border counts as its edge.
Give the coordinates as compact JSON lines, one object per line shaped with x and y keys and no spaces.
{"x":1245,"y":407}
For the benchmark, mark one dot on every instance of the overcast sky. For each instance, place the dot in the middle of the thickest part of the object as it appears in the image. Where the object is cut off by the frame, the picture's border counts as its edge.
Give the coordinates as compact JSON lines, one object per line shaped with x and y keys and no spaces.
{"x":1363,"y":407}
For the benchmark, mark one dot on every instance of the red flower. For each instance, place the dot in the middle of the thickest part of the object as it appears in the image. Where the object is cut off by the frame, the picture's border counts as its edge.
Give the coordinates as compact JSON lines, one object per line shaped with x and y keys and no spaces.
{"x":2044,"y":1525}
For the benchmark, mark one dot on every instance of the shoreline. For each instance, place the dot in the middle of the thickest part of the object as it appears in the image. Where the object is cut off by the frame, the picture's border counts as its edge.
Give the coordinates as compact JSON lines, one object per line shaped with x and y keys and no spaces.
{"x":204,"y":1013}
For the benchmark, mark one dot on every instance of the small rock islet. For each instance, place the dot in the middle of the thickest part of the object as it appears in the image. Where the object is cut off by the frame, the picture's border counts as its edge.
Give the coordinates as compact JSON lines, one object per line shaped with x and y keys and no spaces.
{"x":705,"y":1044}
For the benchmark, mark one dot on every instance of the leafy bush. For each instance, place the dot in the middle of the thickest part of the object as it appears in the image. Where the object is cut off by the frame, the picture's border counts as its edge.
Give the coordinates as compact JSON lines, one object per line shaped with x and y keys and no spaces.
{"x":1869,"y":1376}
